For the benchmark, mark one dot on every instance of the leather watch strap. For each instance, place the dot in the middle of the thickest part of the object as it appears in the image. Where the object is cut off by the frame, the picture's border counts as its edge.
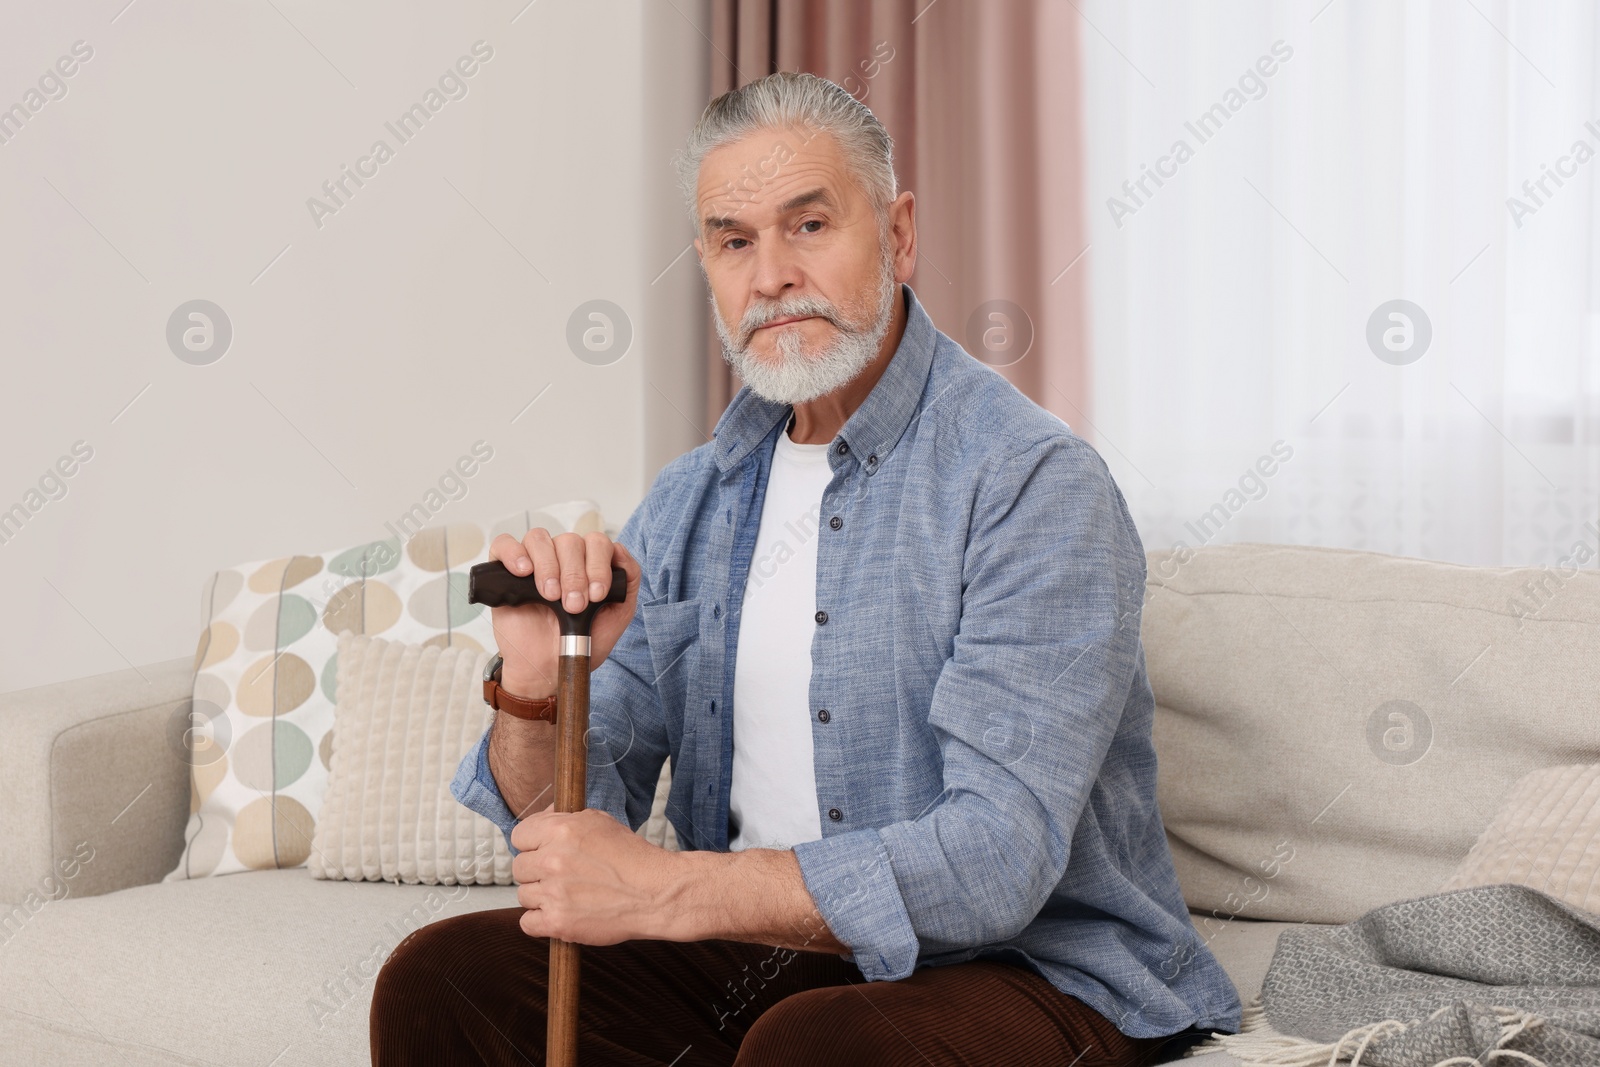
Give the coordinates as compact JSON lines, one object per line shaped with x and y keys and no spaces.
{"x":499,"y":699}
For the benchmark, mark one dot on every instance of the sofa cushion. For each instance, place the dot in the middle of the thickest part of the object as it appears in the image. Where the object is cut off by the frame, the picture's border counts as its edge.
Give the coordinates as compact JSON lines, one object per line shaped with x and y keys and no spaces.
{"x":267,"y":666}
{"x":1334,"y":729}
{"x":1244,"y":947}
{"x":270,"y":967}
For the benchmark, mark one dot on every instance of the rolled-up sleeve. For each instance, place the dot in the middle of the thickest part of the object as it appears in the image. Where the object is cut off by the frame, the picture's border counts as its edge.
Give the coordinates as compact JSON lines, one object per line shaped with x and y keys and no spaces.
{"x":1024,"y":711}
{"x":627,"y":740}
{"x":474,"y":786}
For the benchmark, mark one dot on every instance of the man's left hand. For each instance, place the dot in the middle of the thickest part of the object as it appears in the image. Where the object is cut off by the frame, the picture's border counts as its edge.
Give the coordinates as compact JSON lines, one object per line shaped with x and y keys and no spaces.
{"x":586,"y":878}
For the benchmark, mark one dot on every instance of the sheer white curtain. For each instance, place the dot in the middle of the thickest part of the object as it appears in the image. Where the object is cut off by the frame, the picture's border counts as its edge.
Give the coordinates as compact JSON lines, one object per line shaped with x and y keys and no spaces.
{"x":1264,"y":179}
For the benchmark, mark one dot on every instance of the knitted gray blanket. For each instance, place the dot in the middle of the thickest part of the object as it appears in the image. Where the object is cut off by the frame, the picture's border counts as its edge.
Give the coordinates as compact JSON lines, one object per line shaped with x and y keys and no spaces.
{"x":1499,"y":974}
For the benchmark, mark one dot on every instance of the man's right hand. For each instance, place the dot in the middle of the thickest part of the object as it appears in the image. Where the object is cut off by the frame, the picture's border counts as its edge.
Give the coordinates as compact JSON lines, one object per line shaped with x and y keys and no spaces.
{"x":578,"y":567}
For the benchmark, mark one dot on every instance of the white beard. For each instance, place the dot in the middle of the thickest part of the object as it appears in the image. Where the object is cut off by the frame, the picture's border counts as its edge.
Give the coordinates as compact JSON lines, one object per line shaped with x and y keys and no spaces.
{"x":793,"y":377}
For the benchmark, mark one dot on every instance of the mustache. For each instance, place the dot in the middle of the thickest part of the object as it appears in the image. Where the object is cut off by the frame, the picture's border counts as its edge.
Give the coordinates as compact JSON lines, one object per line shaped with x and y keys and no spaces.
{"x":759,"y":315}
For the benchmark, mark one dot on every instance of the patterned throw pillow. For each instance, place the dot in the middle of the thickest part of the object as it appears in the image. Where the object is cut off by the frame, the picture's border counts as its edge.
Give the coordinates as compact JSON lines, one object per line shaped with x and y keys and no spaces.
{"x":266,"y":671}
{"x":406,"y":715}
{"x":1546,"y":836}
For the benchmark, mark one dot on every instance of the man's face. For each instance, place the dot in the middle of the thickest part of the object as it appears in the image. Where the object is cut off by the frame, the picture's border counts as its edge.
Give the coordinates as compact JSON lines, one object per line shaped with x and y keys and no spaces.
{"x":802,"y":275}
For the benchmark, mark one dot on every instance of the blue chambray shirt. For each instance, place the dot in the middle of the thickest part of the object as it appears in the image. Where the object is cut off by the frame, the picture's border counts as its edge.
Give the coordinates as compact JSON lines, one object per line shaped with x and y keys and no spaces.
{"x":986,"y":780}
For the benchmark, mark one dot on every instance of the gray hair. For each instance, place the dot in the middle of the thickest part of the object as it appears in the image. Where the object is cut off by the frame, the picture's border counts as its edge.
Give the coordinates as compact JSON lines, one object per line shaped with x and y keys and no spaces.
{"x":802,"y":100}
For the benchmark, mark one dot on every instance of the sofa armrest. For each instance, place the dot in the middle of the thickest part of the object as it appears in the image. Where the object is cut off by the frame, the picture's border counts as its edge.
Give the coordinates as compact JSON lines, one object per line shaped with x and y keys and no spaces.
{"x":94,"y":783}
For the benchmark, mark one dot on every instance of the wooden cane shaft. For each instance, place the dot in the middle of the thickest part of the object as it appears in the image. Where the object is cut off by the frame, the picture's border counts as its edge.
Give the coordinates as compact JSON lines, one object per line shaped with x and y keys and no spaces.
{"x":561,"y":1040}
{"x":572,"y":764}
{"x":572,"y":729}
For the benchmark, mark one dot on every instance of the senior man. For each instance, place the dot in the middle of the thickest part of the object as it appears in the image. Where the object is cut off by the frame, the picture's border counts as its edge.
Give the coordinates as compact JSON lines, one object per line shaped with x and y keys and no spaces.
{"x":887,"y":631}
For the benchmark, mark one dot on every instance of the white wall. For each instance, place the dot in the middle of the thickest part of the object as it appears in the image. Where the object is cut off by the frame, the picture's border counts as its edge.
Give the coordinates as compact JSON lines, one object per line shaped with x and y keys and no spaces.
{"x":369,"y":352}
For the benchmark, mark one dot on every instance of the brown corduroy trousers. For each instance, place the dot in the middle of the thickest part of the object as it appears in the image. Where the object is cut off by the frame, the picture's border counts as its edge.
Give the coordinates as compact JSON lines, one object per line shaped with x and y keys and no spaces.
{"x":472,"y":990}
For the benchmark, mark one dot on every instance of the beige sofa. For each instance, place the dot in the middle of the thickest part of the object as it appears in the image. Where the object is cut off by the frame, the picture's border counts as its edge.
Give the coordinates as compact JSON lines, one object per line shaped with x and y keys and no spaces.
{"x":1334,"y":730}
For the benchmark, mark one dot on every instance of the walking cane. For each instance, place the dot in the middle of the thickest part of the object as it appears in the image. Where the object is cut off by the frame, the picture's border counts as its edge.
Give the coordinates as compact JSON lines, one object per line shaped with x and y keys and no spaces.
{"x":491,"y":584}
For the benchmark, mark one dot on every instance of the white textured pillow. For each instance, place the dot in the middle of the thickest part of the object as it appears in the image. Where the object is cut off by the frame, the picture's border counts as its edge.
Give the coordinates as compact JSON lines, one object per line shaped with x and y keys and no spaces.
{"x":405,"y":715}
{"x":1547,"y":837}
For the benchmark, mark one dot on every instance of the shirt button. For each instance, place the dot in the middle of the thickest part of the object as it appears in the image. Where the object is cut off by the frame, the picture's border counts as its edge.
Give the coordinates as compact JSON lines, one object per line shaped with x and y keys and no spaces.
{"x":843,"y":449}
{"x":822,"y":618}
{"x":872,"y":460}
{"x":835,"y":814}
{"x":716,"y":611}
{"x":835,"y":522}
{"x":823,"y":716}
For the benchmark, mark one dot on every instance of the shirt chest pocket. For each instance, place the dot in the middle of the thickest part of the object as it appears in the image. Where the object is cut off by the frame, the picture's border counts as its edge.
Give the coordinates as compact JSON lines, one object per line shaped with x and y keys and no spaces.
{"x":672,"y":631}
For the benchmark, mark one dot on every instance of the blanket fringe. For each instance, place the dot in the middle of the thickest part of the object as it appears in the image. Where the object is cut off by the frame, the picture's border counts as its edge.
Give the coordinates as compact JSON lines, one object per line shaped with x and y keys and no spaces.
{"x":1257,"y":1044}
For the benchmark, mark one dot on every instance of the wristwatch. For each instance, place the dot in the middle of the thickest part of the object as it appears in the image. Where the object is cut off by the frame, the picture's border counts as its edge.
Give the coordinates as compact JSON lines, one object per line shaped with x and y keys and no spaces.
{"x":500,"y":700}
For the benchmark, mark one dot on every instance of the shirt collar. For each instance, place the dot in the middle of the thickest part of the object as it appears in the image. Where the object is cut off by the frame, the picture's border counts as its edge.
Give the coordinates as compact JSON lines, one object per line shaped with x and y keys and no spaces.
{"x":872,"y":430}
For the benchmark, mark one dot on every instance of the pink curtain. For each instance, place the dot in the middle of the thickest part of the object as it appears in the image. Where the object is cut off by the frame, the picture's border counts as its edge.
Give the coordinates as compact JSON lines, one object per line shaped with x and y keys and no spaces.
{"x":981,"y":98}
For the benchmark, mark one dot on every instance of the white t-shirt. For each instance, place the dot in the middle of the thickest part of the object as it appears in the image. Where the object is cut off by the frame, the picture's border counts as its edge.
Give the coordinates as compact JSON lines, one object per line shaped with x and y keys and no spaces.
{"x":773,"y":796}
